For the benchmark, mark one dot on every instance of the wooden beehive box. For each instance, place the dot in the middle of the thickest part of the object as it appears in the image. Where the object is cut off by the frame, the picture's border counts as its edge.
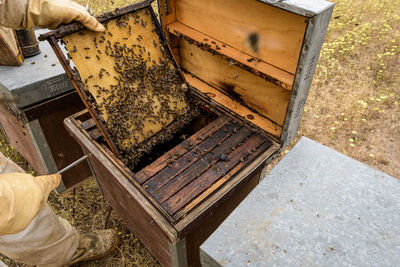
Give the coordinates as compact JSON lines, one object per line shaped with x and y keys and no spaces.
{"x":249,"y":65}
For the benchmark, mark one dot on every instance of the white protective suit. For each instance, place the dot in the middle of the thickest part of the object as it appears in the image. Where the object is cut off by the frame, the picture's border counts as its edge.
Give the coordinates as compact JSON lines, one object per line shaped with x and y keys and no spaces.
{"x":30,"y":232}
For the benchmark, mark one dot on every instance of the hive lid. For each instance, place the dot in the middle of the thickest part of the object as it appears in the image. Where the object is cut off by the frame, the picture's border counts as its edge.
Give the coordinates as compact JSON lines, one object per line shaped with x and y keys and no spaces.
{"x":242,"y":54}
{"x":128,"y":79}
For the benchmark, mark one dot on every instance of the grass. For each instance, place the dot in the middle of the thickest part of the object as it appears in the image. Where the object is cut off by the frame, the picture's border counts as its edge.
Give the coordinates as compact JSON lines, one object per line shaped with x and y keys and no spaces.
{"x":353,"y":104}
{"x":353,"y":107}
{"x":11,"y":153}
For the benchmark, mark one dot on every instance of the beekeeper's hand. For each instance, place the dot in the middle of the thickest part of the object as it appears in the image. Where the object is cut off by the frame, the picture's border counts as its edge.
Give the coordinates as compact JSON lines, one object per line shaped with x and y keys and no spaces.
{"x":50,"y":14}
{"x":22,"y":196}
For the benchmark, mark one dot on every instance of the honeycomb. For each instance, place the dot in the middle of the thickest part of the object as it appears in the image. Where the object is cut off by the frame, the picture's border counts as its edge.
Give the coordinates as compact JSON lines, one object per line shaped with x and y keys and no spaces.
{"x":132,"y":82}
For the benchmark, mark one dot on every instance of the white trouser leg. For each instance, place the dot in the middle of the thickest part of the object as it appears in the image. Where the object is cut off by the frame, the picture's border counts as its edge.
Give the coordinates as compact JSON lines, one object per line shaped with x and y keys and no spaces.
{"x":47,"y":241}
{"x":7,"y":166}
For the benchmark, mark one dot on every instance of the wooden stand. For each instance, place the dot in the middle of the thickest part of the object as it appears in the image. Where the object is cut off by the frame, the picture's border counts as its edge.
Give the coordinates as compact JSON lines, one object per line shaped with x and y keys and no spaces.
{"x":37,"y":132}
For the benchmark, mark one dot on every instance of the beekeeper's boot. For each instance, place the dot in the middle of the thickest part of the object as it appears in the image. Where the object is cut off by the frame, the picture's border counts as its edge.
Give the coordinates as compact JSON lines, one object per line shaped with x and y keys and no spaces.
{"x":95,"y":246}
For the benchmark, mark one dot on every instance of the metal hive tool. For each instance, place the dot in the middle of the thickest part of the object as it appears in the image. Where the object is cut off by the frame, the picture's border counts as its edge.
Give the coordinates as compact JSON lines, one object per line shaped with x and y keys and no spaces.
{"x":130,"y":82}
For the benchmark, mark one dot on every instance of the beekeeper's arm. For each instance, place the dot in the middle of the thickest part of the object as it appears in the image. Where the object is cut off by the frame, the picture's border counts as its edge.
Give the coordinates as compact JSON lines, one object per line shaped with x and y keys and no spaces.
{"x":23,"y":14}
{"x":22,"y":196}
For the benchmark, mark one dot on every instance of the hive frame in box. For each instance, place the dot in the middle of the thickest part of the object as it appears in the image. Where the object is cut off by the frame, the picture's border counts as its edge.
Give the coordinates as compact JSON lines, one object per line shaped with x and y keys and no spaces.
{"x":73,"y":75}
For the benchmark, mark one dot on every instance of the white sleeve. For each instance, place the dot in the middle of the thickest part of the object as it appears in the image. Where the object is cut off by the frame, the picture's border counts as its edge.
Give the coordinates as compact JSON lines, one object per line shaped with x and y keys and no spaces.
{"x":22,"y":196}
{"x":13,"y":13}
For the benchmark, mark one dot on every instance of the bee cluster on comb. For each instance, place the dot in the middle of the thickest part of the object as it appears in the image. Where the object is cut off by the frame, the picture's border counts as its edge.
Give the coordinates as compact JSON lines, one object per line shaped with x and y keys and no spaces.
{"x":132,"y":82}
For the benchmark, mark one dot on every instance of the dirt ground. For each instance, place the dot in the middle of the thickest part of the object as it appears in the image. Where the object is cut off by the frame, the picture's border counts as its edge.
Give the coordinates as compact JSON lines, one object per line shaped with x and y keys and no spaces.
{"x":353,"y":107}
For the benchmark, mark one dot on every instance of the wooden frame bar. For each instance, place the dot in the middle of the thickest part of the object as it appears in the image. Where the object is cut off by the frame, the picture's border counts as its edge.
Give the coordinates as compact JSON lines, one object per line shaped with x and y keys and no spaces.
{"x":260,"y":68}
{"x":73,"y":76}
{"x":228,"y":103}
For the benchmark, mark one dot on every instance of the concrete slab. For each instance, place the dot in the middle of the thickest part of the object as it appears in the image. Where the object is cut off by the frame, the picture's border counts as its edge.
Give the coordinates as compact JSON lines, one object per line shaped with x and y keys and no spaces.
{"x":316,"y":207}
{"x":33,"y":83}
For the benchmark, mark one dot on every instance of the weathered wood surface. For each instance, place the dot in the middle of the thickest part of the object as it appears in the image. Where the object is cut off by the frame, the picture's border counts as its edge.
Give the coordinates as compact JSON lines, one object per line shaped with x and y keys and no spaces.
{"x":63,"y":147}
{"x":190,"y":159}
{"x":186,"y":173}
{"x":89,"y":124}
{"x":221,"y":190}
{"x":167,"y":11}
{"x":219,"y":170}
{"x":234,"y":106}
{"x":137,"y":218}
{"x":96,"y":134}
{"x":162,"y":162}
{"x":200,"y":165}
{"x":50,"y":115}
{"x":20,"y":138}
{"x":256,"y":66}
{"x":91,"y":127}
{"x":209,"y":222}
{"x":264,"y":97}
{"x":260,"y":30}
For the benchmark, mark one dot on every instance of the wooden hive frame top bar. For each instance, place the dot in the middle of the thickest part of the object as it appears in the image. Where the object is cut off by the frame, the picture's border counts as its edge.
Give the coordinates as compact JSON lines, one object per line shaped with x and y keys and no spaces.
{"x":191,"y":172}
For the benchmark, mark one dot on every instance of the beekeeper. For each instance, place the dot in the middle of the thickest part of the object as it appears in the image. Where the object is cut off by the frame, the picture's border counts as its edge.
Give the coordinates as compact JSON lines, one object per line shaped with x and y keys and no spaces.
{"x":30,"y":232}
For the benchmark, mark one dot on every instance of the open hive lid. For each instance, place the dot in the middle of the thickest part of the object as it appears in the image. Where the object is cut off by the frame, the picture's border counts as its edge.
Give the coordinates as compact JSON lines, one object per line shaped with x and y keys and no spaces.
{"x":254,"y":58}
{"x":127,"y":78}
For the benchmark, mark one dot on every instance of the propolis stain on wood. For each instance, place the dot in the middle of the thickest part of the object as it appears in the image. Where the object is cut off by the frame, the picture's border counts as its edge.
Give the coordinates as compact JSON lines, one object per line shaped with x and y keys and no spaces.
{"x":132,"y":81}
